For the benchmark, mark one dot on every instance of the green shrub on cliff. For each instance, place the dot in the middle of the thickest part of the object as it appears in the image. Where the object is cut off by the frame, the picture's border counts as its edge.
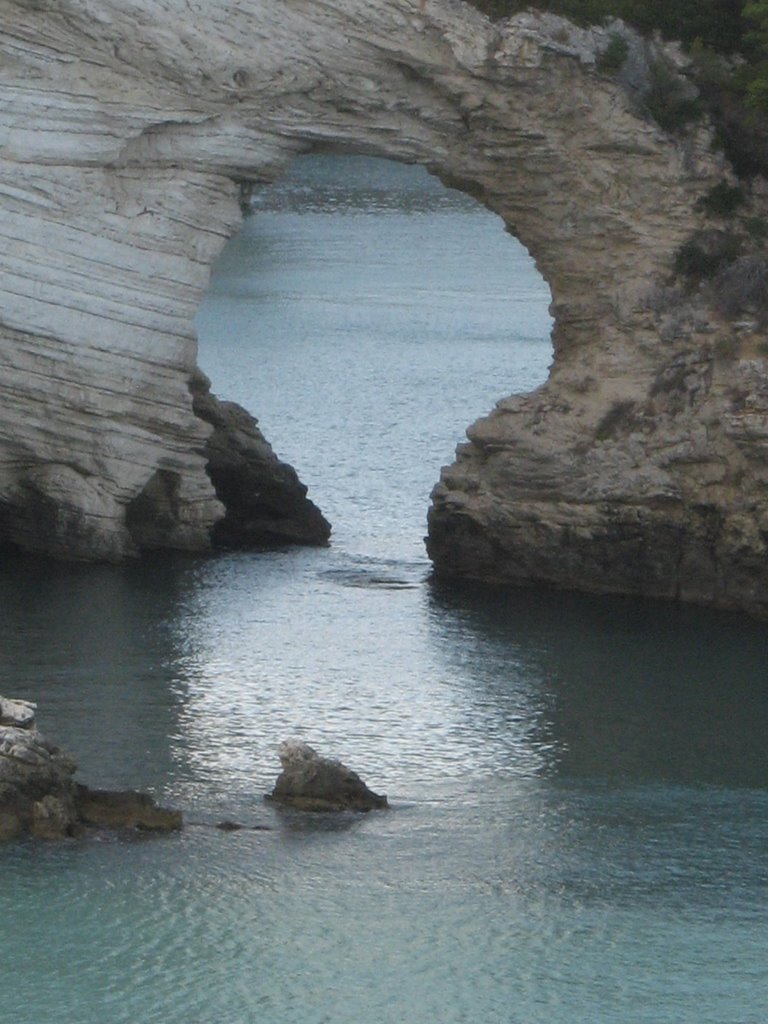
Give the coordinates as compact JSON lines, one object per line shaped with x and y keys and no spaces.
{"x":706,"y":254}
{"x":722,"y":200}
{"x":668,"y":101}
{"x":728,"y":40}
{"x":611,"y":60}
{"x":756,"y":73}
{"x":719,"y":23}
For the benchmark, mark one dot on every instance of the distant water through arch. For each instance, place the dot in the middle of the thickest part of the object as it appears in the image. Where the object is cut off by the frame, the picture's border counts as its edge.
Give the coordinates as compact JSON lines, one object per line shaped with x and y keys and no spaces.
{"x":367,"y":315}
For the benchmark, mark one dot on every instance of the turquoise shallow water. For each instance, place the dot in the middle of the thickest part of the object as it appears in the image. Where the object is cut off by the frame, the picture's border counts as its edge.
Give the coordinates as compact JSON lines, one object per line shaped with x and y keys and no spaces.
{"x":579,"y":829}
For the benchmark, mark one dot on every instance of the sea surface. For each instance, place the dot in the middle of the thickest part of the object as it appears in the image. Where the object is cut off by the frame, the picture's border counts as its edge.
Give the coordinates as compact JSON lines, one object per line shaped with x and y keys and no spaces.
{"x":578,"y":831}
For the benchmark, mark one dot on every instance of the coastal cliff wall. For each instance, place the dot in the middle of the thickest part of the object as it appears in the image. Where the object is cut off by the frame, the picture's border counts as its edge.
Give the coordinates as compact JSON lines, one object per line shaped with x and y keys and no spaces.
{"x":127,"y":133}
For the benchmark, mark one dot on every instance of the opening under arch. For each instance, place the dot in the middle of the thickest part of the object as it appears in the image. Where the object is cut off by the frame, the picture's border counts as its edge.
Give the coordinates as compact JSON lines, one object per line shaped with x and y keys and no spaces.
{"x":367,"y":315}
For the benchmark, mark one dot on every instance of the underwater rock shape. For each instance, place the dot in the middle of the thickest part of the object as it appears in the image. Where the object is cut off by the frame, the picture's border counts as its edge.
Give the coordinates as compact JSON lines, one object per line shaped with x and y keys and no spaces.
{"x":124,"y":809}
{"x":309,"y":782}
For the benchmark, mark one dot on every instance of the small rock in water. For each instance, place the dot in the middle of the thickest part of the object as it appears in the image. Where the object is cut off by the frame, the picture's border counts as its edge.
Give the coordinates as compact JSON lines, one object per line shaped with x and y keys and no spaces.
{"x":309,"y":782}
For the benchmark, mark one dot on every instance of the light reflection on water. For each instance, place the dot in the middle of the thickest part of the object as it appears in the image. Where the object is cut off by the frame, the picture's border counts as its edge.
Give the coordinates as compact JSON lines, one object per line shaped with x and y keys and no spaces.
{"x":580,"y":812}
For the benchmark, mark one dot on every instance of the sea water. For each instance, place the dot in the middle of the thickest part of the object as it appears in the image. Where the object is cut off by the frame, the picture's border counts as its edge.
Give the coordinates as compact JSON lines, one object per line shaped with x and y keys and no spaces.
{"x":579,"y":785}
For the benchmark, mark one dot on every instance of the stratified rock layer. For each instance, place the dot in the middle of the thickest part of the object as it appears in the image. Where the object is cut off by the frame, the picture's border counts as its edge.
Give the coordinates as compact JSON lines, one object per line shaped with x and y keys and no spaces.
{"x":127,"y":131}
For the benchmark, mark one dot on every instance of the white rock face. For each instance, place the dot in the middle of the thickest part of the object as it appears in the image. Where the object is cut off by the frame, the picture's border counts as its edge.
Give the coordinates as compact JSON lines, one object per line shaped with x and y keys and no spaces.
{"x":293,"y":753}
{"x":19,"y":714}
{"x":125,"y":130}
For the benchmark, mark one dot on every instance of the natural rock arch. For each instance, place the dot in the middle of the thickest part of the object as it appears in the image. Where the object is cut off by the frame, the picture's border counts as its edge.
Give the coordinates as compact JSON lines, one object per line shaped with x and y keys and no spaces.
{"x":127,"y":134}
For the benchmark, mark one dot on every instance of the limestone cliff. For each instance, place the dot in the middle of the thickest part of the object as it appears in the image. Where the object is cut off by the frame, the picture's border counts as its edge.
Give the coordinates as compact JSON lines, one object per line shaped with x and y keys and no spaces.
{"x":126,"y":130}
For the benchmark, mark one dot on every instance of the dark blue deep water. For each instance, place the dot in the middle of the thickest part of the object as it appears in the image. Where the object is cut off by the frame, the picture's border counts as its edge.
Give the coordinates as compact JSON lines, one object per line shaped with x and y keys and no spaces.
{"x":579,"y":785}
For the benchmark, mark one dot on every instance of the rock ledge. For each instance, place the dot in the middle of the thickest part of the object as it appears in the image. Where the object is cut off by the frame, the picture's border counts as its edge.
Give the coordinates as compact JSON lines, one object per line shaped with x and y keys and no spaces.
{"x":40,"y":797}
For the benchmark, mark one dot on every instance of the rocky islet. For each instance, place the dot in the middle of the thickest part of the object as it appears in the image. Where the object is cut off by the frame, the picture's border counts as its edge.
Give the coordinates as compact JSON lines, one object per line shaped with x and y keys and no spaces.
{"x":309,"y":782}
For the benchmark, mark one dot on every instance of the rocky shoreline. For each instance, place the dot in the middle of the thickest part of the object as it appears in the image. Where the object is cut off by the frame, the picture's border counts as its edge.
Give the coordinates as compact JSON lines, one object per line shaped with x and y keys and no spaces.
{"x":40,"y":797}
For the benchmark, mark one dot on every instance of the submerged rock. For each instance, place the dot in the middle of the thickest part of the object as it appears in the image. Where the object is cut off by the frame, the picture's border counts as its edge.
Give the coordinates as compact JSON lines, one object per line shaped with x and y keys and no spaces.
{"x":235,"y":826}
{"x":40,"y":797}
{"x":309,"y":782}
{"x":124,"y":809}
{"x":228,"y":826}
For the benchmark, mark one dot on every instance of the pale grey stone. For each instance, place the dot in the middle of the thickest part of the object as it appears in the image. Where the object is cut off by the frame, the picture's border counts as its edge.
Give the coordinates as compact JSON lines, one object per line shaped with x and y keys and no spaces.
{"x":20,"y":713}
{"x":309,"y":782}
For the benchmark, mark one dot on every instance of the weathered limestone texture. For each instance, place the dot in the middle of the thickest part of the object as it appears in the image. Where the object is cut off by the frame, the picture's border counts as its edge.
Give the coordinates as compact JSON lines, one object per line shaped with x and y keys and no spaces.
{"x":39,"y":795}
{"x":36,"y":787}
{"x":126,"y":131}
{"x":309,"y":782}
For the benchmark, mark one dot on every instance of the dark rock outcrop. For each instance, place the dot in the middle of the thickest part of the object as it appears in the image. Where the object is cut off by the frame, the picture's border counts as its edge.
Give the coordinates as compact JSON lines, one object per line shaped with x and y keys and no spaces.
{"x":309,"y":782}
{"x":266,"y":503}
{"x":36,"y":787}
{"x":39,"y":796}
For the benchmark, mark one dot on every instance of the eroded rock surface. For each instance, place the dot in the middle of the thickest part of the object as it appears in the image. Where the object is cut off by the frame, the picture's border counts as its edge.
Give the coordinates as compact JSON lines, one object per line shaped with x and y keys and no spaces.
{"x":36,"y":783}
{"x":127,"y":131}
{"x":40,"y":797}
{"x":266,"y":503}
{"x":309,"y":782}
{"x":124,"y":809}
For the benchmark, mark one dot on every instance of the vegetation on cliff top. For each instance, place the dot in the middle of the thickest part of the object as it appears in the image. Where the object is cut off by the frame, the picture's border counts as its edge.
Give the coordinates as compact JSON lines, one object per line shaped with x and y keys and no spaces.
{"x":728,"y":41}
{"x":721,"y":24}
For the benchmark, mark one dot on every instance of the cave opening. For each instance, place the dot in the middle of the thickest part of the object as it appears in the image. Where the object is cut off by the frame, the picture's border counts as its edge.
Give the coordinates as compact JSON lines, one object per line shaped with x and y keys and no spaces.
{"x":367,"y":315}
